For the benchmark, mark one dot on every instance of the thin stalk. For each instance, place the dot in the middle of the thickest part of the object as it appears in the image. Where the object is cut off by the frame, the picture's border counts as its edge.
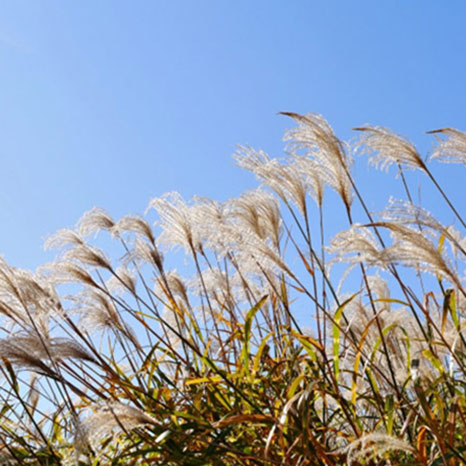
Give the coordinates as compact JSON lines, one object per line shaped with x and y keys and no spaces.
{"x":445,"y":197}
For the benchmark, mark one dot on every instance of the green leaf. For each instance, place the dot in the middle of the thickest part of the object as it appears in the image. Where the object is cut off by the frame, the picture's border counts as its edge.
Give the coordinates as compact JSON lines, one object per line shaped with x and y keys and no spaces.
{"x":247,"y":331}
{"x":336,"y":335}
{"x":433,"y":360}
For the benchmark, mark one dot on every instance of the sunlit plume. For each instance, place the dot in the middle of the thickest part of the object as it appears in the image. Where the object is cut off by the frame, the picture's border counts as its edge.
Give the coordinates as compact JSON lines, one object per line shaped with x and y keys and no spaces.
{"x":385,"y":148}
{"x":451,"y":149}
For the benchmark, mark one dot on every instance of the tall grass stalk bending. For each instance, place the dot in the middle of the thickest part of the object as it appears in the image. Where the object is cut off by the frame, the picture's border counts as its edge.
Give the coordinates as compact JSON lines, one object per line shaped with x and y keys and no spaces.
{"x":266,"y":350}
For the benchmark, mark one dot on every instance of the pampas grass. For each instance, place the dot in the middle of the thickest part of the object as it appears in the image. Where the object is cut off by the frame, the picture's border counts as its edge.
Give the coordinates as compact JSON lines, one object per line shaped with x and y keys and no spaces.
{"x":274,"y":344}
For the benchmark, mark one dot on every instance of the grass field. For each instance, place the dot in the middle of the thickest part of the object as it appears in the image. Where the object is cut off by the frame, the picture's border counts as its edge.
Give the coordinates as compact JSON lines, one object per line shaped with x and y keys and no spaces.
{"x":273,"y":346}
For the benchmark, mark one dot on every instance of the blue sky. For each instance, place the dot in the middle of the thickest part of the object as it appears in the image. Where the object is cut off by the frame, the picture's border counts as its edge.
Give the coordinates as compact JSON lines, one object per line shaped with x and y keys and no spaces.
{"x":111,"y":103}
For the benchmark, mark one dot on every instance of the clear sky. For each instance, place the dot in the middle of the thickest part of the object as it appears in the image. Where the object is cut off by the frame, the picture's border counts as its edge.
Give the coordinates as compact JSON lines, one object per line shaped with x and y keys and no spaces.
{"x":111,"y":103}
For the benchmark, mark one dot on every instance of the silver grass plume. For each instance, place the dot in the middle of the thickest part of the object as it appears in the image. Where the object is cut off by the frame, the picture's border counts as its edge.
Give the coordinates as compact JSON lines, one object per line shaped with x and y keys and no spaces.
{"x":88,"y":255}
{"x":27,"y":299}
{"x":21,"y":348}
{"x":13,"y":349}
{"x":374,"y":444}
{"x":176,"y":286}
{"x":453,"y":148}
{"x":178,"y":222}
{"x":314,"y":138}
{"x":379,"y":288}
{"x":259,"y":212}
{"x":250,"y":231}
{"x":412,"y":248}
{"x":315,"y":177}
{"x":108,"y":419}
{"x":144,"y":253}
{"x":213,"y":225}
{"x":406,"y":213}
{"x":65,"y":348}
{"x":67,"y":271}
{"x":356,"y":245}
{"x":284,"y":179}
{"x":75,"y":248}
{"x":134,"y":224}
{"x":97,"y":310}
{"x":218,"y":286}
{"x":386,"y":148}
{"x":63,"y":238}
{"x":229,"y":289}
{"x":256,"y":256}
{"x":30,"y":289}
{"x":402,"y":326}
{"x":99,"y":313}
{"x":93,"y":221}
{"x":122,"y":281}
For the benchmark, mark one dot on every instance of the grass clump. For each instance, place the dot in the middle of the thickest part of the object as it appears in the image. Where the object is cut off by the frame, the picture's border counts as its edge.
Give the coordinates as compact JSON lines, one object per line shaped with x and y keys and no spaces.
{"x":269,"y":352}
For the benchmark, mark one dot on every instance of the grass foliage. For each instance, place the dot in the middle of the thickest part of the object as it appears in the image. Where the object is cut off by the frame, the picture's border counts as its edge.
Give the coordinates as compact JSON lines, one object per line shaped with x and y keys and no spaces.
{"x":257,"y":354}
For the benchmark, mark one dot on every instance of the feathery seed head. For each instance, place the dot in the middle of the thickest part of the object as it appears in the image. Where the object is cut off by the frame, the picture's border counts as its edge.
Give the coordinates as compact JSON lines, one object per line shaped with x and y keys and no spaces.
{"x":374,"y":444}
{"x":315,"y":177}
{"x":259,"y":212}
{"x":314,"y":139}
{"x":358,"y":244}
{"x":406,"y":213}
{"x":122,"y":281}
{"x":386,"y":148}
{"x":143,"y":252}
{"x":31,"y":351}
{"x":176,"y":285}
{"x":278,"y":175}
{"x":67,"y":271}
{"x":110,"y":418}
{"x":178,"y":221}
{"x":97,"y":310}
{"x":135,"y":224}
{"x":414,"y":249}
{"x":453,"y":148}
{"x":24,"y":353}
{"x":93,"y":221}
{"x":63,"y":238}
{"x":88,"y":255}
